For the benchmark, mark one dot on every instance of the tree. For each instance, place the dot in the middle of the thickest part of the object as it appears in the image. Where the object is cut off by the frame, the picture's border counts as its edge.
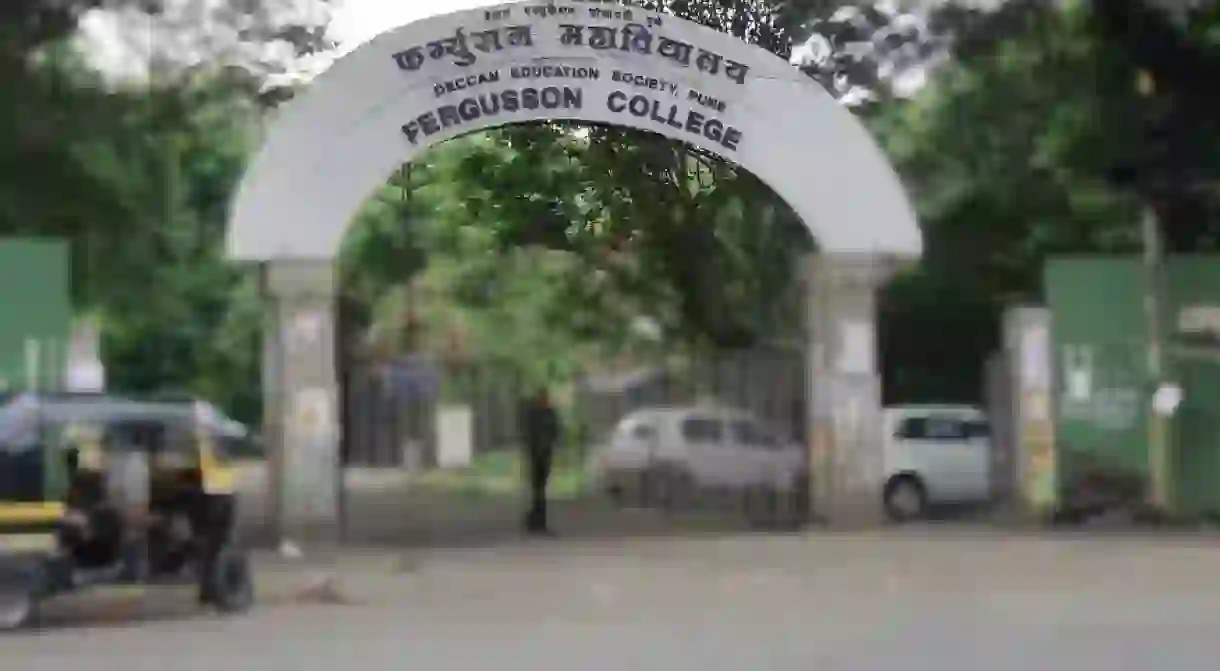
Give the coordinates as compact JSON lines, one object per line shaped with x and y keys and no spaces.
{"x":1173,"y":163}
{"x":686,"y":239}
{"x":268,"y":39}
{"x":178,"y":316}
{"x":1007,"y":164}
{"x":65,"y":125}
{"x":137,"y":175}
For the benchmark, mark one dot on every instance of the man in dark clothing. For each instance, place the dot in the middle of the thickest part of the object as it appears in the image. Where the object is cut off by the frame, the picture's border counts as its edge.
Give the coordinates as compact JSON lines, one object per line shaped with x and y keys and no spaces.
{"x":540,"y":430}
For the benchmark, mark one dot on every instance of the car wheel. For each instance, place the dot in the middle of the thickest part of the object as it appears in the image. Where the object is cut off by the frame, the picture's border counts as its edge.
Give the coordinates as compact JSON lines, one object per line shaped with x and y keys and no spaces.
{"x":905,"y":499}
{"x":675,"y":488}
{"x":626,"y":489}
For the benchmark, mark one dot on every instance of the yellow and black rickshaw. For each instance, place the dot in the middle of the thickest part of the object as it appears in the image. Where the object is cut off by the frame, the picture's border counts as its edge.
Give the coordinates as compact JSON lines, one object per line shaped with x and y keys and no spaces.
{"x":103,"y":491}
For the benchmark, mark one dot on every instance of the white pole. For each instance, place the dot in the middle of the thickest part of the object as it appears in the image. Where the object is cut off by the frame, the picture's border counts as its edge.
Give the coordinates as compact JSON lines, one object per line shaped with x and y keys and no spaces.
{"x":32,"y":352}
{"x":1159,"y":441}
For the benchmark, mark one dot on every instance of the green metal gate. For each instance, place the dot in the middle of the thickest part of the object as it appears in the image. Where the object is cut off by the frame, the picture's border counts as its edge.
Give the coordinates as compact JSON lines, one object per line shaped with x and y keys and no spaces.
{"x":1102,"y":388}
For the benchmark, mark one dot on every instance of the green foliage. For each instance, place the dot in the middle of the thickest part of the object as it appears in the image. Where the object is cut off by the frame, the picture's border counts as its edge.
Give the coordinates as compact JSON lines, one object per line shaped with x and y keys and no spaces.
{"x":546,"y":243}
{"x":1010,"y":158}
{"x":1006,"y":166}
{"x":176,"y":314}
{"x":138,"y":179}
{"x":1006,"y":161}
{"x":1173,"y":157}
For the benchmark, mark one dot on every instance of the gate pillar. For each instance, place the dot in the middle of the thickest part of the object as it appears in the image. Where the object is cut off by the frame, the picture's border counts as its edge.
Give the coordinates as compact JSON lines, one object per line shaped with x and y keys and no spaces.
{"x":300,"y":390}
{"x":846,"y":439}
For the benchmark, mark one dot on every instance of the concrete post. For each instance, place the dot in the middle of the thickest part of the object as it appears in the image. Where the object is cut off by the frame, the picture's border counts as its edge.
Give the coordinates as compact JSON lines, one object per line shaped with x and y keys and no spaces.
{"x":301,"y":400}
{"x":845,"y":387}
{"x":1028,"y":343}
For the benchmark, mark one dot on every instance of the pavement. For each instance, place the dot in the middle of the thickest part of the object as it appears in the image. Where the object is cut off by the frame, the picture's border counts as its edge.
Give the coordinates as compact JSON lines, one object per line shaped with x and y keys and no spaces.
{"x":938,"y":597}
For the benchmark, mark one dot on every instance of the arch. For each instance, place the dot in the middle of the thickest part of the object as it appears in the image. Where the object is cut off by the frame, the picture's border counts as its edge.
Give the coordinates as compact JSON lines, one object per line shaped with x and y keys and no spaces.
{"x":584,"y":60}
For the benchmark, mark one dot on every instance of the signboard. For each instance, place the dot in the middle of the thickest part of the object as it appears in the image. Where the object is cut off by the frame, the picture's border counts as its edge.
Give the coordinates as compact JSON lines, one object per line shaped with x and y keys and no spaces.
{"x":1166,"y":400}
{"x":496,"y":86}
{"x":1078,"y":373}
{"x":313,"y":417}
{"x":1035,"y":357}
{"x":859,"y":348}
{"x":583,"y":60}
{"x":454,"y":436}
{"x":305,"y":329}
{"x":1199,"y":324}
{"x":85,"y":372}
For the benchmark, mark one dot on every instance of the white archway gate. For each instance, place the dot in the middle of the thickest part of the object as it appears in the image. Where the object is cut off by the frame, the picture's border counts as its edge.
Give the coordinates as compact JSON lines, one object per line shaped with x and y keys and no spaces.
{"x":596,"y":61}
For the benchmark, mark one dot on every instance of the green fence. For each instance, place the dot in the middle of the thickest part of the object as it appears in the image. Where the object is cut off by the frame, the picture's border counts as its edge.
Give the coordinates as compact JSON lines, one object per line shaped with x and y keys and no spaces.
{"x":1195,"y":291}
{"x":1102,"y":387}
{"x":35,"y":312}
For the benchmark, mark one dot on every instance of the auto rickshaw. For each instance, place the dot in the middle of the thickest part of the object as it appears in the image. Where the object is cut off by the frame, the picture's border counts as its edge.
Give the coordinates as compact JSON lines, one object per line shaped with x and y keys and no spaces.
{"x":172,"y":523}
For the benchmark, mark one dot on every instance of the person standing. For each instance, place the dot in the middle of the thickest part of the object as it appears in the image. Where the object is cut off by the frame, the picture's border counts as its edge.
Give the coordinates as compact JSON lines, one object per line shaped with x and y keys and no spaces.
{"x":540,"y":429}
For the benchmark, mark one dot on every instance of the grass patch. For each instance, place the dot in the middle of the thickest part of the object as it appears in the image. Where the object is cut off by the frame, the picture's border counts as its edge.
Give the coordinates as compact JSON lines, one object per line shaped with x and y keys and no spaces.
{"x":502,"y":473}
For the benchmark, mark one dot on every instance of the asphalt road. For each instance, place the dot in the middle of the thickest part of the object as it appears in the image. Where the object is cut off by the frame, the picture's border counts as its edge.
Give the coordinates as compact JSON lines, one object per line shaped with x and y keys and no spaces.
{"x":931,"y":599}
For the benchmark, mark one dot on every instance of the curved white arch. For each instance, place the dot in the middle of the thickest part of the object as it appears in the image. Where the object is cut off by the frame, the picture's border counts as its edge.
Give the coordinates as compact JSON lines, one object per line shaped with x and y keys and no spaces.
{"x":373,"y":110}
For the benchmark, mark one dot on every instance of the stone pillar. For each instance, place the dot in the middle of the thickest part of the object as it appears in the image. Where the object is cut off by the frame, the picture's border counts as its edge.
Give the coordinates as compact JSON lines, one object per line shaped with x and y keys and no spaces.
{"x":301,"y":400}
{"x":1028,"y":344}
{"x":845,"y":387}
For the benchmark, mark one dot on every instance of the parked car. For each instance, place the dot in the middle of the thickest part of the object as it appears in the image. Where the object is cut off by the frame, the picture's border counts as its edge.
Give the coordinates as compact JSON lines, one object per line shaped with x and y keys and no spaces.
{"x":672,"y":456}
{"x":935,"y":455}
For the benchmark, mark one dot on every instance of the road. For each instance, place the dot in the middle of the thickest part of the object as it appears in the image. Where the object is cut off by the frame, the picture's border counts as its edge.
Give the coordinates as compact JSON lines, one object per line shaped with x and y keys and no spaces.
{"x":914,"y":599}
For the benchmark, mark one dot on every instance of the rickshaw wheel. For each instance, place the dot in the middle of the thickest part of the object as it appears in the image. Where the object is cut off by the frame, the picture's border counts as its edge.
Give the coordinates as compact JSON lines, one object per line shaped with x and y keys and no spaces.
{"x":231,"y":583}
{"x":17,"y":611}
{"x":19,"y":604}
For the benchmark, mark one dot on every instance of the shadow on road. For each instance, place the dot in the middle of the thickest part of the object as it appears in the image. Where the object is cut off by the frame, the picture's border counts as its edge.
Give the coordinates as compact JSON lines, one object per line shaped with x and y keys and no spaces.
{"x":390,"y":509}
{"x":120,"y":608}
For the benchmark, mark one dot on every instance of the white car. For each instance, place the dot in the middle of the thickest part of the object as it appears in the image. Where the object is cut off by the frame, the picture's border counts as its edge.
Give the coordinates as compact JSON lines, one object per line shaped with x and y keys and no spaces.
{"x":672,"y":453}
{"x":934,"y":455}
